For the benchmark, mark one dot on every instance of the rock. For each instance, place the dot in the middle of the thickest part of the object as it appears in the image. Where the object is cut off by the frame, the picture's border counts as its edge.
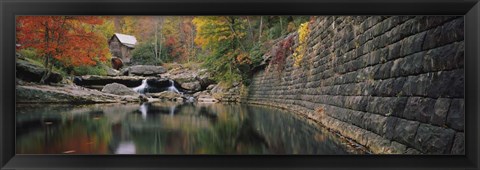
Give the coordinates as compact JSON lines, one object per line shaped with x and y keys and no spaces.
{"x":29,"y":72}
{"x":183,"y":77}
{"x":456,"y":115}
{"x":211,"y":86}
{"x":189,"y":99}
{"x":217,"y":89}
{"x":433,"y":139}
{"x":143,"y":98}
{"x":169,"y":95}
{"x":206,"y":98}
{"x":146,"y":70}
{"x":205,"y":78}
{"x":118,"y":89}
{"x":458,"y":147}
{"x":420,"y":109}
{"x":405,"y":131}
{"x":124,"y":72}
{"x":94,"y":80}
{"x":192,"y":86}
{"x":112,"y":72}
{"x":411,"y":151}
{"x":440,"y":111}
{"x":178,"y":99}
{"x":66,"y":94}
{"x":231,"y":94}
{"x":197,"y":94}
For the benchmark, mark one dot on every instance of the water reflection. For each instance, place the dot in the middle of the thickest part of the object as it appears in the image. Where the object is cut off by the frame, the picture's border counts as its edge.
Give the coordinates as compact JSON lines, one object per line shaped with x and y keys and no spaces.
{"x":168,"y":128}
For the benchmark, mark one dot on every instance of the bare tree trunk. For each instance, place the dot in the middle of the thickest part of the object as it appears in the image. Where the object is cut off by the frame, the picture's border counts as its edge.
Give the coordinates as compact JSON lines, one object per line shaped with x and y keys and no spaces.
{"x":192,"y":43}
{"x":156,"y":41}
{"x":161,"y":39}
{"x":260,"y":29}
{"x":250,"y":29}
{"x":46,"y":64}
{"x":232,"y":22}
{"x":281,"y":25}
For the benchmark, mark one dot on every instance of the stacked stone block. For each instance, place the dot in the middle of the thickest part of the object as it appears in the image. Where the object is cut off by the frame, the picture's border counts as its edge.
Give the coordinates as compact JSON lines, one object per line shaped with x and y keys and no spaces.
{"x":394,"y":84}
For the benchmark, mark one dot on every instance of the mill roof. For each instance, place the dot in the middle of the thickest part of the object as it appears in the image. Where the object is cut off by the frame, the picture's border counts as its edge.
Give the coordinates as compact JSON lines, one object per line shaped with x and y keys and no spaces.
{"x":127,"y":40}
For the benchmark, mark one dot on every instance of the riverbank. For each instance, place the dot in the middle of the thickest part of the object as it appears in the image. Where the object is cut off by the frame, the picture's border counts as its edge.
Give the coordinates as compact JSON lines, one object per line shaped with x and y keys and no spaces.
{"x":370,"y":143}
{"x":303,"y":114}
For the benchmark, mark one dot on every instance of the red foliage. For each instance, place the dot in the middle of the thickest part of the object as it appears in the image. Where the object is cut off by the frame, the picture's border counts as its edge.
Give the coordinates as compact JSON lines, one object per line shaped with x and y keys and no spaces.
{"x":283,"y":49}
{"x":69,"y":39}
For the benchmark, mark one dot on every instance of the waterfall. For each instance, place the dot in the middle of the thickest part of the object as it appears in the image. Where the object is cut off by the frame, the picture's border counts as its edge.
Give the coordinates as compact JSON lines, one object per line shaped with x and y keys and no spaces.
{"x":190,"y":99}
{"x":173,"y":88}
{"x":142,"y":87}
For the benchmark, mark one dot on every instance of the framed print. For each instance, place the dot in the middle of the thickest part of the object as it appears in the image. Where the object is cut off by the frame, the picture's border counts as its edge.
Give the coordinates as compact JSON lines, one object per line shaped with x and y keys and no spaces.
{"x":239,"y":85}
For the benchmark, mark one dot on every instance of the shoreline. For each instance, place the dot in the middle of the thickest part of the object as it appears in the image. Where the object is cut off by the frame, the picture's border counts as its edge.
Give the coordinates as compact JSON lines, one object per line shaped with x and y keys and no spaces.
{"x":373,"y":143}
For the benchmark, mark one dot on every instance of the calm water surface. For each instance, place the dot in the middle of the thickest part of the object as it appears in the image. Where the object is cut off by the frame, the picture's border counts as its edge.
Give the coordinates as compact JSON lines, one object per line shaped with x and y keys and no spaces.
{"x":168,"y":128}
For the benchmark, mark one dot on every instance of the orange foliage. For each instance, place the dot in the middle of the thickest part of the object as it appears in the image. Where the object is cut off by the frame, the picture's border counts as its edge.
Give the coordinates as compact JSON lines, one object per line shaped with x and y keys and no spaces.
{"x":71,"y":40}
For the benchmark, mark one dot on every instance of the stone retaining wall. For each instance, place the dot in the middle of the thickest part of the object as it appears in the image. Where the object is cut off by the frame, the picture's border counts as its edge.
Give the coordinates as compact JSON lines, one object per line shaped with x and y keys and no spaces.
{"x":392,"y":84}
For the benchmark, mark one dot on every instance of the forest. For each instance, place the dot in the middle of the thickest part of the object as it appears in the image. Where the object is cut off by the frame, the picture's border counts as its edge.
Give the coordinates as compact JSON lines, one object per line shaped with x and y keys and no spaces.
{"x":229,"y":46}
{"x":177,"y":84}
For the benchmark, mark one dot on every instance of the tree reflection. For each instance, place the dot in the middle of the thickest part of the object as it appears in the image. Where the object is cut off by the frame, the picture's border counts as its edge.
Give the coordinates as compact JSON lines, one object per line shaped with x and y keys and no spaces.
{"x":167,"y":128}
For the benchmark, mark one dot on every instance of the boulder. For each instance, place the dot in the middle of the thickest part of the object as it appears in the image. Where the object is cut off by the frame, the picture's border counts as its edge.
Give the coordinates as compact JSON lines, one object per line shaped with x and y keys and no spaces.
{"x":118,"y":89}
{"x":112,"y":72}
{"x":143,"y":98}
{"x":144,"y":70}
{"x":197,"y":94}
{"x":66,"y":94}
{"x":184,"y":77}
{"x":169,"y":95}
{"x":179,"y":99}
{"x":231,"y":94}
{"x":191,"y":86}
{"x":211,"y":86}
{"x":206,"y":99}
{"x":205,"y":78}
{"x":30,"y":72}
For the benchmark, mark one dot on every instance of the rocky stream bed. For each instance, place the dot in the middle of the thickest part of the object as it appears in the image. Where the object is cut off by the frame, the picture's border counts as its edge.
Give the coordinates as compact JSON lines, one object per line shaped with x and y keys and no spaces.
{"x":139,"y":83}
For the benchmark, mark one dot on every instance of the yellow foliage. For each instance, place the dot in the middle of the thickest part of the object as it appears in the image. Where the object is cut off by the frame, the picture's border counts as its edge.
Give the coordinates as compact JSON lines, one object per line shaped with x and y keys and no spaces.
{"x":129,"y":25}
{"x":303,"y":33}
{"x":215,"y":29}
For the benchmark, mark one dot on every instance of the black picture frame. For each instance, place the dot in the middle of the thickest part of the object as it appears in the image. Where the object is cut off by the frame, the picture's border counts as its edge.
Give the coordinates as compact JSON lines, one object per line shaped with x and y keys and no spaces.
{"x":10,"y":8}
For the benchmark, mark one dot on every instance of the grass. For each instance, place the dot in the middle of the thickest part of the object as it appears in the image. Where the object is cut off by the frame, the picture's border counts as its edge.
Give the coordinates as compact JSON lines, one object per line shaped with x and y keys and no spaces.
{"x":37,"y":61}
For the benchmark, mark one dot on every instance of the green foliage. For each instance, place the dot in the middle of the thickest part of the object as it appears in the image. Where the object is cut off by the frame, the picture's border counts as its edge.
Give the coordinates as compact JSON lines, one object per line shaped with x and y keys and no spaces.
{"x":31,"y":56}
{"x":233,"y":45}
{"x":28,"y":53}
{"x":224,"y":36}
{"x":274,"y":32}
{"x":99,"y":69}
{"x":222,"y":64}
{"x":144,"y":54}
{"x":256,"y":55}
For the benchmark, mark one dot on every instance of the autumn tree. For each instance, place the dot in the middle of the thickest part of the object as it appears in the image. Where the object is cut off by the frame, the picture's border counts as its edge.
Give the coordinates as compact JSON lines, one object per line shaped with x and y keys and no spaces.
{"x":70,"y":40}
{"x":222,"y":36}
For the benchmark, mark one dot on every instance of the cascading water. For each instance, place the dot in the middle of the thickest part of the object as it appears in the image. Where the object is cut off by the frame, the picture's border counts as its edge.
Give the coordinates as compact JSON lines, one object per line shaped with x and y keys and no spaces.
{"x":173,"y":88}
{"x":142,"y":87}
